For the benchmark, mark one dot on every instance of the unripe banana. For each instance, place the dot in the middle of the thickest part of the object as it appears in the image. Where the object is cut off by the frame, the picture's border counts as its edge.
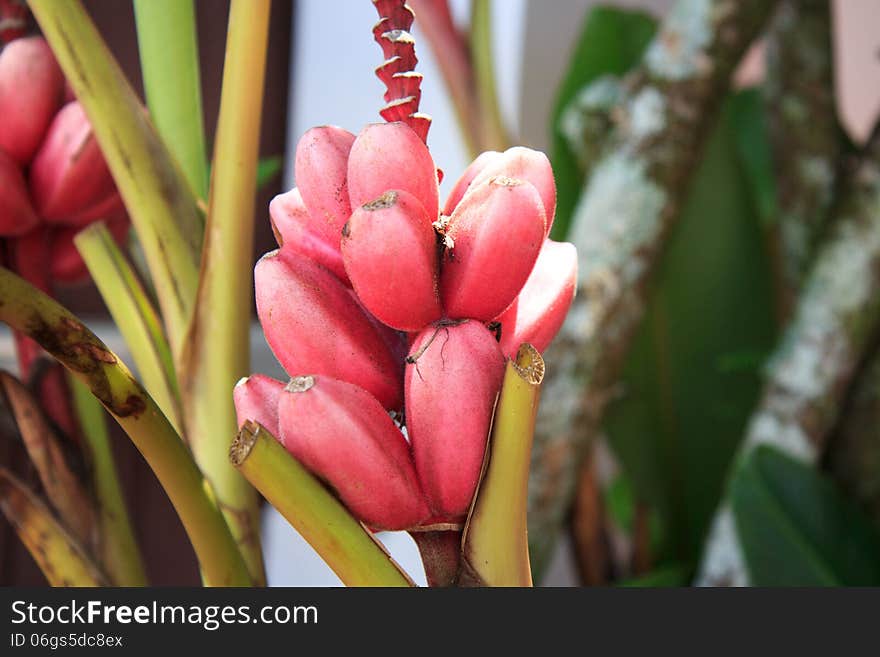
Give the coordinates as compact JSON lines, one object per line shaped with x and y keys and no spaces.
{"x":31,"y":84}
{"x":321,"y":167}
{"x":256,"y":398}
{"x":343,"y":435}
{"x":312,"y":324}
{"x":390,"y":253}
{"x":453,"y":375}
{"x":538,"y":312}
{"x":388,"y":156}
{"x":295,"y":231}
{"x":17,"y":215}
{"x":494,"y":237}
{"x":69,"y":177}
{"x":525,"y":164}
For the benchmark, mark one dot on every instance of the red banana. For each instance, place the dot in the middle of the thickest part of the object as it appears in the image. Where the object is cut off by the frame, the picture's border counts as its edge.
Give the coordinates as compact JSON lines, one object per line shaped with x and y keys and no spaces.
{"x":17,"y":215}
{"x":343,"y":435}
{"x":256,"y":398}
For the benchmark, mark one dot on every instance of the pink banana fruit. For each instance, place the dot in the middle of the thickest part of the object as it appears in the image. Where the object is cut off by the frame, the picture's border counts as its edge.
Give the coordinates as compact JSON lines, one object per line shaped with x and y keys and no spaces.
{"x":453,"y":375}
{"x":295,"y":231}
{"x":313,"y":324}
{"x":390,"y":253}
{"x":256,"y":398}
{"x":496,"y":233}
{"x":343,"y":435}
{"x":462,"y":185}
{"x":17,"y":215}
{"x":31,"y":84}
{"x":69,"y":176}
{"x":388,"y":156}
{"x":538,"y":312}
{"x":321,"y":169}
{"x":525,"y":164}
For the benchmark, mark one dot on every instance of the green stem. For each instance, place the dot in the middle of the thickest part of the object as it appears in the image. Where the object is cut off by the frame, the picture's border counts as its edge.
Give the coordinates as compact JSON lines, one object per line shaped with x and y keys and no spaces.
{"x":347,"y":547}
{"x":494,"y":135}
{"x":118,"y":549}
{"x":495,"y":546}
{"x":169,"y":54}
{"x":62,"y":560}
{"x":218,"y":346}
{"x":59,"y":332}
{"x":134,"y":315}
{"x":157,"y":196}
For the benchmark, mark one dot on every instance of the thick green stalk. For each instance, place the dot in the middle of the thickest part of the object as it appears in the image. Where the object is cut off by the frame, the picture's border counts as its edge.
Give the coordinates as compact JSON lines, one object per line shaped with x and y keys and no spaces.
{"x":344,"y":544}
{"x":59,"y":332}
{"x":134,"y":315}
{"x":170,"y":65}
{"x":117,"y":548}
{"x":493,"y":134}
{"x":156,"y":194}
{"x":495,"y":546}
{"x":62,"y":560}
{"x":218,"y":342}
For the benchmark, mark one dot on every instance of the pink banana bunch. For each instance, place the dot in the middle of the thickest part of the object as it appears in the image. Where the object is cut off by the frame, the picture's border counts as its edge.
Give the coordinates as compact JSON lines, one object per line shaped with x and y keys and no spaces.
{"x":54,"y":178}
{"x":381,"y":300}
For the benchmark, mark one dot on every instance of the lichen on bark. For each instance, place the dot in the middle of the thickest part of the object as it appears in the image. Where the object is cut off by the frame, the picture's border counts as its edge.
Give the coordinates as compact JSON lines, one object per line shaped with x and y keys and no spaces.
{"x":630,"y":201}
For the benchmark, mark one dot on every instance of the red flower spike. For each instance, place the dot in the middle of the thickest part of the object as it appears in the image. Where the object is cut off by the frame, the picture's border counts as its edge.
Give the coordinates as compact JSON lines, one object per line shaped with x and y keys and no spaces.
{"x":390,"y":254}
{"x":256,"y":398}
{"x":463,"y":184}
{"x":404,"y":85}
{"x":69,"y":177}
{"x":320,"y":168}
{"x":343,"y":435}
{"x":31,"y":85}
{"x":452,"y":379}
{"x":538,"y":312}
{"x":496,"y":233}
{"x":525,"y":164}
{"x":313,"y":325}
{"x":295,"y":231}
{"x":388,"y":156}
{"x":17,"y":215}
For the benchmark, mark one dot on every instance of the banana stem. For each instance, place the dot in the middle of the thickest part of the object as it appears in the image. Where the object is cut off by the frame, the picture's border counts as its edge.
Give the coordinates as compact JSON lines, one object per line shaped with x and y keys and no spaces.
{"x":117,"y":548}
{"x":159,"y":200}
{"x":60,"y":333}
{"x":493,"y":135}
{"x":495,"y":548}
{"x":218,"y":348}
{"x":62,"y":560}
{"x":169,"y":55}
{"x":344,"y":544}
{"x":134,"y":315}
{"x":441,"y":555}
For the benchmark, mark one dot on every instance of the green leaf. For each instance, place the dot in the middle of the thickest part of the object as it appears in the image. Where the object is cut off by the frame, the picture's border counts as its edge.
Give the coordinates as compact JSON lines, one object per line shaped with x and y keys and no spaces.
{"x":797,"y":529}
{"x":753,"y":148}
{"x":611,"y":42}
{"x":693,"y":372}
{"x":267,"y":169}
{"x":664,"y":576}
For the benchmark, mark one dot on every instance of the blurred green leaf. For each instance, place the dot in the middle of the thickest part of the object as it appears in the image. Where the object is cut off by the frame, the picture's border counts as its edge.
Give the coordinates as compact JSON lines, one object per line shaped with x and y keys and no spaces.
{"x":611,"y":42}
{"x":753,"y":147}
{"x":693,"y":372}
{"x":267,"y":169}
{"x":795,"y":527}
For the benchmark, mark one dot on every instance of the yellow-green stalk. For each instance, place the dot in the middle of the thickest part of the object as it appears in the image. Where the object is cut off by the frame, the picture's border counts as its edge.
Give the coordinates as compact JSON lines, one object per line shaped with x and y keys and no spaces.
{"x":218,"y":344}
{"x":169,"y":54}
{"x":117,"y":549}
{"x":344,"y":544}
{"x":495,"y":547}
{"x":493,"y":135}
{"x":134,"y":315}
{"x":26,"y":309}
